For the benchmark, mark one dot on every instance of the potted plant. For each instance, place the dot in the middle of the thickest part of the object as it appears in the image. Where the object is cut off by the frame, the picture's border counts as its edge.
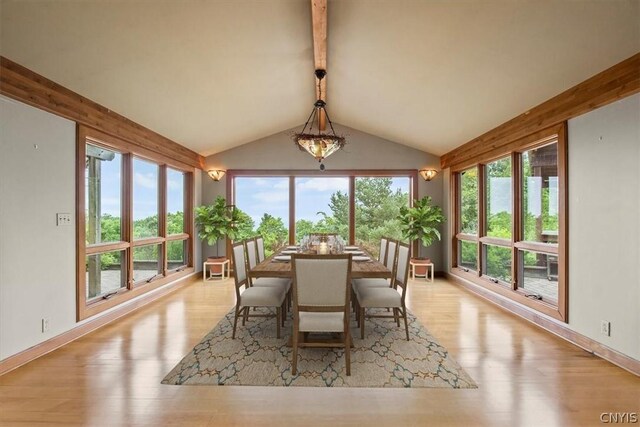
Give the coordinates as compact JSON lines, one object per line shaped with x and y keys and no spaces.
{"x":421,"y":223}
{"x":215,"y":222}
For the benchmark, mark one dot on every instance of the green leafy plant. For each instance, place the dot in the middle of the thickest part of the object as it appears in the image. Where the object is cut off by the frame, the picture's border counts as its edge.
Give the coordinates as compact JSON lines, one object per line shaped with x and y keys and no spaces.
{"x":421,"y":221}
{"x":219,"y":220}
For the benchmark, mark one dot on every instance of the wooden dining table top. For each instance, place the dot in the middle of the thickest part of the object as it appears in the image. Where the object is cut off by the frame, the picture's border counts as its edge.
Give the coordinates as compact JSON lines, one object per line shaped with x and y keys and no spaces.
{"x":359,"y":269}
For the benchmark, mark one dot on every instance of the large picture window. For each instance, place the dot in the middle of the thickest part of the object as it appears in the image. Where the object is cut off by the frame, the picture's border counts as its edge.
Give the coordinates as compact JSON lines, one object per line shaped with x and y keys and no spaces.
{"x":133,"y":235}
{"x":510,"y":223}
{"x":359,"y":206}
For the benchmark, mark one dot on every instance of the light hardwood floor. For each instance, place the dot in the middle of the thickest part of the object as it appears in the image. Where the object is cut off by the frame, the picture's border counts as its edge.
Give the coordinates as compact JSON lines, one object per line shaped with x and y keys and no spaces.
{"x":112,"y":377}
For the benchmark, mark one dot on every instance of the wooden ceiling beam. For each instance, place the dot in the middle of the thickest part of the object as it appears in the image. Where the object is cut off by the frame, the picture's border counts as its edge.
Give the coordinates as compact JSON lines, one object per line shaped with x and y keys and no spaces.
{"x":319,"y":25}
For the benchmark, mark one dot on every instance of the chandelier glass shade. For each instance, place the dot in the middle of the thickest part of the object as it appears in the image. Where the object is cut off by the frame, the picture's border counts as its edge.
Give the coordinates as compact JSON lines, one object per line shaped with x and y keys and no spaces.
{"x":312,"y":139}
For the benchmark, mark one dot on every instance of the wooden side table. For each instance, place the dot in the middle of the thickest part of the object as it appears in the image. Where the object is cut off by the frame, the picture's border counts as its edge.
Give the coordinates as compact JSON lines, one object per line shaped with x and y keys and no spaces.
{"x":224,"y":266}
{"x":428,"y":273}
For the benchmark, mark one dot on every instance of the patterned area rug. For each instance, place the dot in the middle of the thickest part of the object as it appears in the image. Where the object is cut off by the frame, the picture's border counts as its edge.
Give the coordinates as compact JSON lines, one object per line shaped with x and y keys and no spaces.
{"x":383,"y":359}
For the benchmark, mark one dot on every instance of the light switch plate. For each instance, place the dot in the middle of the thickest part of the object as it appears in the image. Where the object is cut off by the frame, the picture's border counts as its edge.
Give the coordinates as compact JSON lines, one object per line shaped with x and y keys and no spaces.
{"x":63,"y":219}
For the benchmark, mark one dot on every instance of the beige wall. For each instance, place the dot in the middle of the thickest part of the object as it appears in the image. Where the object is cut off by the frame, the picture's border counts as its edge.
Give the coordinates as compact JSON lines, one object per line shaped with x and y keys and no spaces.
{"x":37,"y":258}
{"x":604,"y":224}
{"x":363,"y":151}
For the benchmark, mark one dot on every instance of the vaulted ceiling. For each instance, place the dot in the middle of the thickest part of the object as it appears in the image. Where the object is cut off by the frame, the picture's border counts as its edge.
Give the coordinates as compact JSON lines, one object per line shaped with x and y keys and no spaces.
{"x":213,"y":75}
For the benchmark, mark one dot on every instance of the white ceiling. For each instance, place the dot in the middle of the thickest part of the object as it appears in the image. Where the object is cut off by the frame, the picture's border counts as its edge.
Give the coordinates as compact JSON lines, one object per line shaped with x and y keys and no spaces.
{"x":212,"y":75}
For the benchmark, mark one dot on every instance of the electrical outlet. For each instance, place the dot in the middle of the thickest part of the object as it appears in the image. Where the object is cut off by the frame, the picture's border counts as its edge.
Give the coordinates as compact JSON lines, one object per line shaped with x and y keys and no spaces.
{"x":605,"y":328}
{"x":63,"y":219}
{"x":45,"y":324}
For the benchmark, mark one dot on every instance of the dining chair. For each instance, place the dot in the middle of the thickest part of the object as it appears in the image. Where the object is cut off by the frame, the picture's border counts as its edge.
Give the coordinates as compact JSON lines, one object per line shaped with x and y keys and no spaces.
{"x":321,"y":295}
{"x":389,"y":262}
{"x":253,"y":296}
{"x":382,"y":255}
{"x":388,"y":297}
{"x":251,"y":254}
{"x":260,"y":247}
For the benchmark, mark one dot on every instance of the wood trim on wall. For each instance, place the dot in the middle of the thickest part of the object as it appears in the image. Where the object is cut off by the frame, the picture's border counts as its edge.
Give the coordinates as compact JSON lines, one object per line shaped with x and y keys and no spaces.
{"x":26,"y":86}
{"x":32,"y":353}
{"x":617,"y":82}
{"x":551,"y":325}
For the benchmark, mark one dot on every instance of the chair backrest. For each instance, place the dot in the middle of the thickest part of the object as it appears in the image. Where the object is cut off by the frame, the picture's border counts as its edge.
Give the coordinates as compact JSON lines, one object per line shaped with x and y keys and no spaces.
{"x":321,"y":282}
{"x":391,"y":254}
{"x":239,"y":267}
{"x":382,"y":257}
{"x":402,"y":268}
{"x":260,"y":246}
{"x":251,"y":253}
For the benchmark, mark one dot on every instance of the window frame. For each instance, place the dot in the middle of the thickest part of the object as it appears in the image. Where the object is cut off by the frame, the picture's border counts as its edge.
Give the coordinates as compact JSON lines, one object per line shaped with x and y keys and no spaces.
{"x":87,"y":308}
{"x":555,"y":134}
{"x":352,"y":174}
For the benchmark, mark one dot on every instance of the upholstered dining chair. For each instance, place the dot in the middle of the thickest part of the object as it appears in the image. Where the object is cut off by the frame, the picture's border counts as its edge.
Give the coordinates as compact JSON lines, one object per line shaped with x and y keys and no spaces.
{"x":251,"y":254}
{"x":382,"y":255}
{"x":321,"y":295}
{"x":389,"y":262}
{"x":266,"y":296}
{"x":260,"y":247}
{"x":388,"y":297}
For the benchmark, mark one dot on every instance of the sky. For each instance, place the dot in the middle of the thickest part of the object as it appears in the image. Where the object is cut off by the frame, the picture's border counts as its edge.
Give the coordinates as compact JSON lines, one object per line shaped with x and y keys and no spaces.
{"x":145,"y":188}
{"x":257,"y":196}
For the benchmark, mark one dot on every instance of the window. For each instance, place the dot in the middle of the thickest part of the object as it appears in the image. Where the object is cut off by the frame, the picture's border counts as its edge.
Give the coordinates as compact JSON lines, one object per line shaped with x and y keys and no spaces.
{"x":145,"y":199}
{"x":132,"y":233}
{"x":360,"y":207}
{"x":266,"y":201}
{"x":322,"y":206}
{"x":511,"y":224}
{"x":377,"y":208}
{"x":467,"y":217}
{"x":499,"y":198}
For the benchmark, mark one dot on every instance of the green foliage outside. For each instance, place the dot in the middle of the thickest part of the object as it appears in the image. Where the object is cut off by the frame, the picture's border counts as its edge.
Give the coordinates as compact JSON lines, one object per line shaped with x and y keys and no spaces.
{"x":378,"y":212}
{"x":110,"y":227}
{"x":274,"y":232}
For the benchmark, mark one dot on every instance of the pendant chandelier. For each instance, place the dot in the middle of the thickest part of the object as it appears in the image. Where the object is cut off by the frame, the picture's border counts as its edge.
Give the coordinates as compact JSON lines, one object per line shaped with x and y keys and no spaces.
{"x":319,"y":144}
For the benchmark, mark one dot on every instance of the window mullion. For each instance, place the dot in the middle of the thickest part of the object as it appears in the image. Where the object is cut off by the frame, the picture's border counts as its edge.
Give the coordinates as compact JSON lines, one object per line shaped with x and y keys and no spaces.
{"x":482,"y":215}
{"x":352,"y":209}
{"x":516,"y":209}
{"x":292,"y":210}
{"x":162,"y":215}
{"x":127,"y":214}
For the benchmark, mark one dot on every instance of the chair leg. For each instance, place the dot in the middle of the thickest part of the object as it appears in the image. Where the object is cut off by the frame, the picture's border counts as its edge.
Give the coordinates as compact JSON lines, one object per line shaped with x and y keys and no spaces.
{"x":361,"y":323}
{"x":406,"y":326}
{"x":284,"y":313}
{"x":294,"y":361}
{"x":278,"y":316}
{"x":235,"y":322}
{"x":245,"y":315}
{"x":396,"y":317}
{"x":347,"y":350}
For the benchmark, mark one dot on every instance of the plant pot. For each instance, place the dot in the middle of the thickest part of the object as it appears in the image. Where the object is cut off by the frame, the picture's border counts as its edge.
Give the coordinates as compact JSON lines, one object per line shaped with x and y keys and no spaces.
{"x":216,"y":269}
{"x":420,"y":266}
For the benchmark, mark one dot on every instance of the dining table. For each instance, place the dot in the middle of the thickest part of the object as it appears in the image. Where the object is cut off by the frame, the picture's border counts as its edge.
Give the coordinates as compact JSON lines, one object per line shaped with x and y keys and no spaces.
{"x":271,"y":267}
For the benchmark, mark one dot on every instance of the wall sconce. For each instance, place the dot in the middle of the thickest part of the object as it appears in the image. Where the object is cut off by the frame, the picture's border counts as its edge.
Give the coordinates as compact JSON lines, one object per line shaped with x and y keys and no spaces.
{"x":216,"y":174}
{"x":428,"y":174}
